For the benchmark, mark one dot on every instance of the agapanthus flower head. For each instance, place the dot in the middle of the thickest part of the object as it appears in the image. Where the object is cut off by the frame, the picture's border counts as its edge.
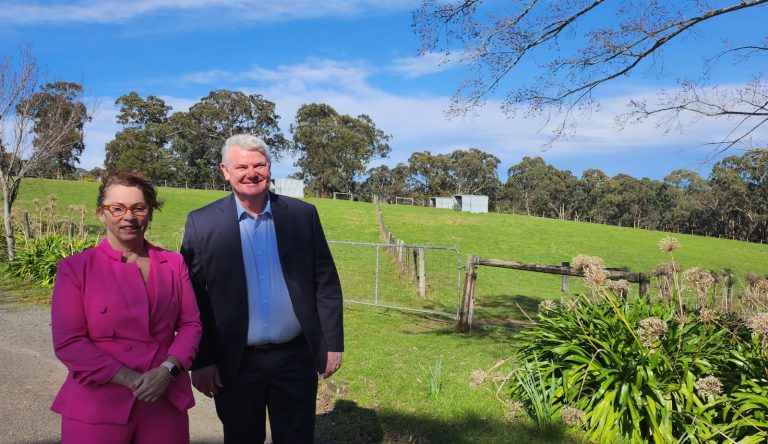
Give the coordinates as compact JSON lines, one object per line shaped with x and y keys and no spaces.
{"x":709,"y":386}
{"x":759,"y":283}
{"x":758,"y":323}
{"x":669,"y":244}
{"x":593,"y":269}
{"x":707,"y":315}
{"x":620,"y":286}
{"x":698,"y":278}
{"x":651,"y":330}
{"x":666,"y":269}
{"x":595,"y":277}
{"x":546,"y":306}
{"x":581,"y":262}
{"x":573,"y":416}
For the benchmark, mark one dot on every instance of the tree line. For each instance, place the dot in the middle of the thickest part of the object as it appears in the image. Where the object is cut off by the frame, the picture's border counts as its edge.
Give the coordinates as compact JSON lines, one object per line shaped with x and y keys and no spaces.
{"x":731,"y":202}
{"x":333,"y":153}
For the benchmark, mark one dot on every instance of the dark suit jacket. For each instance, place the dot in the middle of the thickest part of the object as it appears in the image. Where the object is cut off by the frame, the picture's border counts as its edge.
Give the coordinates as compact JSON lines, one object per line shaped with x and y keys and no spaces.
{"x":213,"y":254}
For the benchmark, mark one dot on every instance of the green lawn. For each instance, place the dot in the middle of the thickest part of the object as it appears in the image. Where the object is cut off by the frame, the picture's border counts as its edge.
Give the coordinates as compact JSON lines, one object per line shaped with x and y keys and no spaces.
{"x":549,"y":241}
{"x":382,"y":393}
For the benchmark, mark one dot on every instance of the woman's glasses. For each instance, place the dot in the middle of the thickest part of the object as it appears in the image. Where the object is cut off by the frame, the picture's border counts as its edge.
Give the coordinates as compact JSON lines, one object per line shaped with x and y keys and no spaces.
{"x":119,"y":210}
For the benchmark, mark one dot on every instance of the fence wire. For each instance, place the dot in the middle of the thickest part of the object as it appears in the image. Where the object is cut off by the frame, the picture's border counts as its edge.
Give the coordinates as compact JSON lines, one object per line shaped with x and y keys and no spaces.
{"x":420,"y":278}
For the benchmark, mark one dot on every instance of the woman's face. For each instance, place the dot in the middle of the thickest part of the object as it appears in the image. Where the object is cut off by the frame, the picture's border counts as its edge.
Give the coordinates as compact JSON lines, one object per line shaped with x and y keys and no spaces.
{"x":129,"y":227}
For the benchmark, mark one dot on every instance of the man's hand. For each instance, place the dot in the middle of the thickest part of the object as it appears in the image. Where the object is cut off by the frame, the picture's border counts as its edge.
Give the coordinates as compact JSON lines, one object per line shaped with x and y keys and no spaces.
{"x":207,"y":380}
{"x":333,"y":365}
{"x":152,"y":384}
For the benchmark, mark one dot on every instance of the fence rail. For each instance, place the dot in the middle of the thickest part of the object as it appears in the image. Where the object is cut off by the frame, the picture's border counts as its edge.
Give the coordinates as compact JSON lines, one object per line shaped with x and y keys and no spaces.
{"x":467,"y":304}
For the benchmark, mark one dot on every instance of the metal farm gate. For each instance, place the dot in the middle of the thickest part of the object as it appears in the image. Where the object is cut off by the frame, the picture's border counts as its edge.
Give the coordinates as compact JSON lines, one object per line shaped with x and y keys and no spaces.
{"x":418,"y":278}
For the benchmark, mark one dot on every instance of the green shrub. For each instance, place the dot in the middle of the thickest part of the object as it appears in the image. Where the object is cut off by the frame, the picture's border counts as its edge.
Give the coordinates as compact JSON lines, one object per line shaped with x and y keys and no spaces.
{"x":651,"y":372}
{"x":36,"y":260}
{"x":538,"y":393}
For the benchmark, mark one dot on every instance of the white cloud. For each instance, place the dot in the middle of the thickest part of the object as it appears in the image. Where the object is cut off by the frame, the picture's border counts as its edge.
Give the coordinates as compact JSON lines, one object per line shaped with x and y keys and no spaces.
{"x":430,"y":63}
{"x":313,"y":74}
{"x":418,"y":123}
{"x":112,"y":11}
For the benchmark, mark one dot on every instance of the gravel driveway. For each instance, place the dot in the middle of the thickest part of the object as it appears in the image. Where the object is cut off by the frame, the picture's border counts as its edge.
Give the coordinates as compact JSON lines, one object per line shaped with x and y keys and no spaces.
{"x":31,"y":376}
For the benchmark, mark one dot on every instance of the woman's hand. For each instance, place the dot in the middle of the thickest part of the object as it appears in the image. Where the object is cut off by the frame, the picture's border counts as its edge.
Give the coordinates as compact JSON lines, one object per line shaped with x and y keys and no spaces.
{"x":125,"y":377}
{"x":152,"y":384}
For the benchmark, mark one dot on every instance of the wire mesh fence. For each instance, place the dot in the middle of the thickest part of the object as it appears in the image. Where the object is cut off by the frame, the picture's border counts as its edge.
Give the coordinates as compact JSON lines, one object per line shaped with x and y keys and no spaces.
{"x":419,"y":278}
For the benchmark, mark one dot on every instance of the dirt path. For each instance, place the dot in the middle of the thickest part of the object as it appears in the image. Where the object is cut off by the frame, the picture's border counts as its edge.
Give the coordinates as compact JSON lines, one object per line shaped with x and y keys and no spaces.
{"x":30,"y":376}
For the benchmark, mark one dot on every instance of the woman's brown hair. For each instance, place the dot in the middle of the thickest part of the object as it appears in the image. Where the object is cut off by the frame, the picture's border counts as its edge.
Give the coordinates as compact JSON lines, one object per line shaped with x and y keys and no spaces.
{"x":130,"y":179}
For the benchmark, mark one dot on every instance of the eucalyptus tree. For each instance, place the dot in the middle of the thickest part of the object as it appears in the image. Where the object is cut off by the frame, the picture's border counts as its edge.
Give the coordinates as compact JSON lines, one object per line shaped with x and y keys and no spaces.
{"x":55,"y":102}
{"x":144,"y":142}
{"x":200,"y":132}
{"x":475,"y":172}
{"x":387,"y":183}
{"x":335,"y":149}
{"x":431,"y":174}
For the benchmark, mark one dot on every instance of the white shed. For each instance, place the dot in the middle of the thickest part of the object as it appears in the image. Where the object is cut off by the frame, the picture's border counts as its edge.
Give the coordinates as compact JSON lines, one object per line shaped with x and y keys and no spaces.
{"x":288,"y":187}
{"x":443,"y":202}
{"x":472,"y":203}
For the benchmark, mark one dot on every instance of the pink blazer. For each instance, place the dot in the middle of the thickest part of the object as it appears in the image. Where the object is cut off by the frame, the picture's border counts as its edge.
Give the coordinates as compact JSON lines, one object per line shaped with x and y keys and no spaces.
{"x":103,"y":316}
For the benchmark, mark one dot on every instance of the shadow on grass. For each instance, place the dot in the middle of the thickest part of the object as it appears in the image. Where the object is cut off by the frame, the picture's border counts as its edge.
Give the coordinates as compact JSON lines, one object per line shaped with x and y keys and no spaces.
{"x":349,"y":423}
{"x":424,"y":324}
{"x":14,"y":290}
{"x":505,"y":308}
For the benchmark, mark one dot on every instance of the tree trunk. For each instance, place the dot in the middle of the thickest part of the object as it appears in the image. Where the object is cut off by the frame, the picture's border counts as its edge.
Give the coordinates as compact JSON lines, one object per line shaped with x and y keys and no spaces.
{"x":8,"y":198}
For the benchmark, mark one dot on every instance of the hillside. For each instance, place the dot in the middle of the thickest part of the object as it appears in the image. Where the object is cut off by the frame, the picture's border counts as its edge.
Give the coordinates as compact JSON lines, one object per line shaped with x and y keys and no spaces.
{"x":499,"y":236}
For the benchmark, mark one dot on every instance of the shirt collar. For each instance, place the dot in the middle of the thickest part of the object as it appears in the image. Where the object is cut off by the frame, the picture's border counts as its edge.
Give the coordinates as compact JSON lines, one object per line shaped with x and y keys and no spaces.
{"x":241,"y":213}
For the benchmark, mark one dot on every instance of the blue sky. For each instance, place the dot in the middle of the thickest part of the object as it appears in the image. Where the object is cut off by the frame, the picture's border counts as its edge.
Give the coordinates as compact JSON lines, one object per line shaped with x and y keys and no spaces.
{"x":359,"y":56}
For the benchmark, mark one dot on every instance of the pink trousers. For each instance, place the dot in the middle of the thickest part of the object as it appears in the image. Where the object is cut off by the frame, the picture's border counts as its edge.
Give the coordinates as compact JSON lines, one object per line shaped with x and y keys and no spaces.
{"x":149,"y":423}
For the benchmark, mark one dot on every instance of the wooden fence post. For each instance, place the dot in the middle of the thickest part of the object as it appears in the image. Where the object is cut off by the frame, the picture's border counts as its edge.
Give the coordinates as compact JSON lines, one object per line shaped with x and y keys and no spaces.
{"x":644,"y":280}
{"x":422,"y":273}
{"x":728,"y":291}
{"x":25,"y":224}
{"x":468,"y":297}
{"x":565,"y":283}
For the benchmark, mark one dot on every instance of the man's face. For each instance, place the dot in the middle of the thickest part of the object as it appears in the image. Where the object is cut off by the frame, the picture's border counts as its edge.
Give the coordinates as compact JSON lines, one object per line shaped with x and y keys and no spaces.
{"x":247,"y":172}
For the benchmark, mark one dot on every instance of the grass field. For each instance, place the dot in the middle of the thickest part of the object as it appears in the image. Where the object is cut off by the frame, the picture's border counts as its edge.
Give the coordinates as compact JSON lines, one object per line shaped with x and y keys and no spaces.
{"x":549,"y":241}
{"x":383,"y":392}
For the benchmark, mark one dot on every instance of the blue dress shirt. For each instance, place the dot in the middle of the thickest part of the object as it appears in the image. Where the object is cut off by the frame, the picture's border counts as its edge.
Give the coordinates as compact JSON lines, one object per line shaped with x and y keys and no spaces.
{"x":271,"y":318}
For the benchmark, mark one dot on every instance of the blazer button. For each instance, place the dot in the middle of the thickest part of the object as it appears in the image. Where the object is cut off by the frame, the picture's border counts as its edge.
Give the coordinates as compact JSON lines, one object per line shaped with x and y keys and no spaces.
{"x":103,"y":309}
{"x":127,"y":348}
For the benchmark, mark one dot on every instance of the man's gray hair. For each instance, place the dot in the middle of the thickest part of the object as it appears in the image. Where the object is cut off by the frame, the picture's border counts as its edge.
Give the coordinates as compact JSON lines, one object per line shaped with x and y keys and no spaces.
{"x":245,"y":142}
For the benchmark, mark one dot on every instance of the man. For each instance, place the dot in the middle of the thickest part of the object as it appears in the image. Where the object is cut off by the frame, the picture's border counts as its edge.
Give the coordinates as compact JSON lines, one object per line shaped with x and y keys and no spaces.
{"x":270,"y":302}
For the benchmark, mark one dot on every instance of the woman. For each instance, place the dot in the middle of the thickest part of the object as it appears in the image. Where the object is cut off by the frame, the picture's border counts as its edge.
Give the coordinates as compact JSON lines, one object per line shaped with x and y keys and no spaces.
{"x":125,"y":323}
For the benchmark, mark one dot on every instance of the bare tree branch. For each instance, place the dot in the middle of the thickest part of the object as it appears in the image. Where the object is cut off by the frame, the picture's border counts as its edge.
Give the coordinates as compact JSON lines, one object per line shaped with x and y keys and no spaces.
{"x":23,"y":146}
{"x":497,"y":41}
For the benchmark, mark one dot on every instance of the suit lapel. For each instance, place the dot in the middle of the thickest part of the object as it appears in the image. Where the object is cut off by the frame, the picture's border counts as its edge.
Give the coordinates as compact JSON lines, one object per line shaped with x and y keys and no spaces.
{"x":283,"y":229}
{"x":160,"y":284}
